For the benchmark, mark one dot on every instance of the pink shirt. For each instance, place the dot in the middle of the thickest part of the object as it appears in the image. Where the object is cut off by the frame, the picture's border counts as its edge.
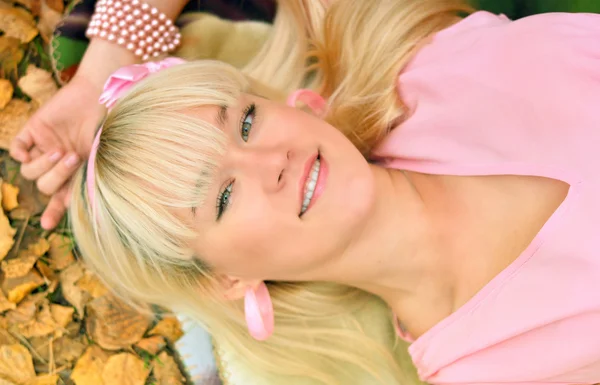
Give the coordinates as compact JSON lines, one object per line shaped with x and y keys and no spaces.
{"x":490,"y":96}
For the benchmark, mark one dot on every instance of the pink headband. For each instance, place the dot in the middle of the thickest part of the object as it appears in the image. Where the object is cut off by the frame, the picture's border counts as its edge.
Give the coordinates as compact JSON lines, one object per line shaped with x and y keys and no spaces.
{"x":115,"y":87}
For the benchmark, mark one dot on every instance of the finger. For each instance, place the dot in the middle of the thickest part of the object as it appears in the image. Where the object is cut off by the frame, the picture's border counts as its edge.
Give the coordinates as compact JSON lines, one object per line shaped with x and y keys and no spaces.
{"x":54,"y":211}
{"x":40,"y":165}
{"x":35,"y":152}
{"x":20,"y":145}
{"x":52,"y":180}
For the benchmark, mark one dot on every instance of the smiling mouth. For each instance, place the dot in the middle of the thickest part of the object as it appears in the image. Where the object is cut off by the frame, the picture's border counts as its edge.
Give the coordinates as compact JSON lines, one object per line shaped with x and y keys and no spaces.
{"x":310,"y":185}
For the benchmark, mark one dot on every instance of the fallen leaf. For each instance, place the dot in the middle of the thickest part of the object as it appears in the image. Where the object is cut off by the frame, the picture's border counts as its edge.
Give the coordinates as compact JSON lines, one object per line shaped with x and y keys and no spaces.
{"x":50,"y":16}
{"x":47,"y":379}
{"x":125,"y":369}
{"x":92,"y":284}
{"x":20,"y":266}
{"x":169,"y":327}
{"x":113,"y":324}
{"x":6,"y":235}
{"x":6,"y":382}
{"x":6,"y":338}
{"x":16,"y":364}
{"x":38,"y":84}
{"x":153,"y":344}
{"x":9,"y":195}
{"x":11,"y":54}
{"x":25,"y":312}
{"x":5,"y":304}
{"x":46,"y":272}
{"x":18,"y":23}
{"x":12,"y":118}
{"x":88,"y":369}
{"x":62,"y":315}
{"x":26,"y":3}
{"x":6,"y":92}
{"x":42,"y":324}
{"x":39,"y":248}
{"x":76,"y":297}
{"x":65,"y":350}
{"x":18,"y":288}
{"x":61,"y":251}
{"x":166,"y":371}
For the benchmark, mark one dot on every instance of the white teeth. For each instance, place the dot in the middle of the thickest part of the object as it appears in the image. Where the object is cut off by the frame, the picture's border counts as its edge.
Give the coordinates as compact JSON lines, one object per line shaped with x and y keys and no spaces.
{"x":309,"y":188}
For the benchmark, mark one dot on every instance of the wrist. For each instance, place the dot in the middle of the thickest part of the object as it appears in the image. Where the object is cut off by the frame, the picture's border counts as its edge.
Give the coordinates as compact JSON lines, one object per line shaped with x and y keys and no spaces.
{"x":101,"y":59}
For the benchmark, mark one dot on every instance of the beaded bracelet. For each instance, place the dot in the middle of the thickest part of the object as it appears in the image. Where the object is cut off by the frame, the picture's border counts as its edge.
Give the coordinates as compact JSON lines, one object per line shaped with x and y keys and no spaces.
{"x":137,"y":26}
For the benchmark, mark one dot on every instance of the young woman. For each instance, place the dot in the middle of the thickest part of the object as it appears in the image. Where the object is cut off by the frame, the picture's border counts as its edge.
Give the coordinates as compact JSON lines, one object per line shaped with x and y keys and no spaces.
{"x":446,"y":170}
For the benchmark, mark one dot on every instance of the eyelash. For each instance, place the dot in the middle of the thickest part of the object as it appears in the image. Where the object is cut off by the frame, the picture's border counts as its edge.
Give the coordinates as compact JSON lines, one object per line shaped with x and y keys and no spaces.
{"x":224,"y":197}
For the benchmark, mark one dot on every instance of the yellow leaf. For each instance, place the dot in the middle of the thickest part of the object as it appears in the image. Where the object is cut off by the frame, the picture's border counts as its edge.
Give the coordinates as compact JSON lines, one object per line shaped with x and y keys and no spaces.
{"x":42,"y":325}
{"x":92,"y":284}
{"x":5,"y":304}
{"x":20,"y":266}
{"x":38,"y":84}
{"x":113,"y":324}
{"x":50,"y":16}
{"x":153,"y":344}
{"x":47,"y":379}
{"x":6,"y":92}
{"x":39,"y":248}
{"x":6,"y":338}
{"x":62,"y":314}
{"x":88,"y":369}
{"x":6,"y":235}
{"x":125,"y":369}
{"x":61,"y":254}
{"x":12,"y":118}
{"x":168,"y":327}
{"x":25,"y":312}
{"x":16,"y":364}
{"x":76,"y":297}
{"x":6,"y":382}
{"x":18,"y":288}
{"x":167,"y":371}
{"x":11,"y":54}
{"x":9,"y":193}
{"x":65,"y":350}
{"x":18,"y":23}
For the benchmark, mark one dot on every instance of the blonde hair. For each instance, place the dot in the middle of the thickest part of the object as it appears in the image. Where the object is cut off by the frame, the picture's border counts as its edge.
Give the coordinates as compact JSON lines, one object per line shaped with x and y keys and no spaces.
{"x":152,"y":149}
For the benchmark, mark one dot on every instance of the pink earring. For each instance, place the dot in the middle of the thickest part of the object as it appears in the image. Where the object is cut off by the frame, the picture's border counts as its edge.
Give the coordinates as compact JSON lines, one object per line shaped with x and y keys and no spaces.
{"x":259,"y":312}
{"x":312,"y":99}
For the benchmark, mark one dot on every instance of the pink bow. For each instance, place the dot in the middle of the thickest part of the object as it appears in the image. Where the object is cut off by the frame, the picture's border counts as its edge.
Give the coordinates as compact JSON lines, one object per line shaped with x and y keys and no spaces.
{"x":124,"y":78}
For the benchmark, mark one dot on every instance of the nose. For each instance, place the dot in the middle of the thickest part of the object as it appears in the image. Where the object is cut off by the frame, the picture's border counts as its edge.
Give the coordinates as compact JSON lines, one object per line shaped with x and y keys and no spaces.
{"x":267,"y":165}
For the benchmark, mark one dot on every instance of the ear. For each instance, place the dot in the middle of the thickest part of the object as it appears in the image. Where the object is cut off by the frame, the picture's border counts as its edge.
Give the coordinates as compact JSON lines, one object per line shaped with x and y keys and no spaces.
{"x":313,"y":100}
{"x":234,"y":288}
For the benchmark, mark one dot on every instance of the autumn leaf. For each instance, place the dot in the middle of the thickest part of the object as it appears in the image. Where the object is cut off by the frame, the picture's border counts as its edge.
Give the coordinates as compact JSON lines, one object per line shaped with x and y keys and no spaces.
{"x":18,"y":23}
{"x":167,"y":371}
{"x":61,"y":254}
{"x":20,"y":266}
{"x":92,"y":284}
{"x":42,"y":324}
{"x":169,"y":327}
{"x":39,"y":248}
{"x":65,"y":350}
{"x":76,"y":297}
{"x":6,"y":235}
{"x":6,"y":92}
{"x":25,"y":311}
{"x":11,"y":54}
{"x":6,"y":338}
{"x":88,"y":369}
{"x":12,"y":118}
{"x":113,"y":324}
{"x":38,"y":84}
{"x":125,"y":369}
{"x":9,"y":192}
{"x":62,"y":315}
{"x":48,"y":379}
{"x":6,"y":382}
{"x":5,"y":304}
{"x":152,"y":345}
{"x":16,"y":363}
{"x":50,"y":16}
{"x":18,"y":288}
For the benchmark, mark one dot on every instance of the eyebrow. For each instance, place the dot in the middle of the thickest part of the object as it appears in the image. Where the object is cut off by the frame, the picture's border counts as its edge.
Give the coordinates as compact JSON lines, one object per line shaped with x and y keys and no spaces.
{"x":222,"y":116}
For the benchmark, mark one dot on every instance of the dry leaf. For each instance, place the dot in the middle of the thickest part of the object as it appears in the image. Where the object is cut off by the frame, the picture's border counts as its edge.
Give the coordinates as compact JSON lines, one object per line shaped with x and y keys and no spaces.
{"x":50,"y":16}
{"x":65,"y":350}
{"x":113,"y":324}
{"x":92,"y":284}
{"x":48,"y":379}
{"x":167,"y":371}
{"x":153,"y":344}
{"x":6,"y":92}
{"x":11,"y":55}
{"x":26,"y":310}
{"x":12,"y":119}
{"x":20,"y":266}
{"x":76,"y":297}
{"x":46,"y":272}
{"x":18,"y":288}
{"x":42,"y":325}
{"x":168,"y":327}
{"x":6,"y":235}
{"x":125,"y":369}
{"x":61,"y":251}
{"x":18,"y":23}
{"x":38,"y":84}
{"x":39,"y":248}
{"x":6,"y":382}
{"x":26,"y":3}
{"x":89,"y":368}
{"x":6,"y":338}
{"x":63,"y":315}
{"x":16,"y":364}
{"x":9,"y":195}
{"x":5,"y":304}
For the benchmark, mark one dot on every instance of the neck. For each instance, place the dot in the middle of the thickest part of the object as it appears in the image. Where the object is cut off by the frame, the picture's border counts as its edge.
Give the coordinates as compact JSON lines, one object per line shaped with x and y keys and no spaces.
{"x":397,"y":256}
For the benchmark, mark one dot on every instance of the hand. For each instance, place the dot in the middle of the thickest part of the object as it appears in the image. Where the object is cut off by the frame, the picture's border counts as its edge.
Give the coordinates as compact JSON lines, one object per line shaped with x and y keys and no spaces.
{"x":56,"y":140}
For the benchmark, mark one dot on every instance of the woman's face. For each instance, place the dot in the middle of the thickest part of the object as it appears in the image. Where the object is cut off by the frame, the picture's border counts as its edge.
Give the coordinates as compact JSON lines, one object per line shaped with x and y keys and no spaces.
{"x":290,"y":195}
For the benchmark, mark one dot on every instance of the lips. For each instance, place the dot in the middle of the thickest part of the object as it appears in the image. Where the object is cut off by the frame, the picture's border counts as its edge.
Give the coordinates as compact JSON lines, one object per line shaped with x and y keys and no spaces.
{"x":312,"y":182}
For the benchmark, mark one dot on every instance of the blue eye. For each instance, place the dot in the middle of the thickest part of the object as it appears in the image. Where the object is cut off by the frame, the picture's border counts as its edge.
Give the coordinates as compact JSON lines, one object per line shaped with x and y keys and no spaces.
{"x":223,"y":200}
{"x":248,"y":120}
